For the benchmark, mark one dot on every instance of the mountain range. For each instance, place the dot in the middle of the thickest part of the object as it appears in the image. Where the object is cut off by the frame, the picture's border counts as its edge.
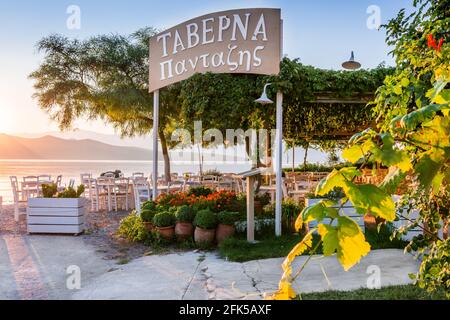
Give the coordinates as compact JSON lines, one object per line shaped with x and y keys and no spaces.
{"x":53,"y":148}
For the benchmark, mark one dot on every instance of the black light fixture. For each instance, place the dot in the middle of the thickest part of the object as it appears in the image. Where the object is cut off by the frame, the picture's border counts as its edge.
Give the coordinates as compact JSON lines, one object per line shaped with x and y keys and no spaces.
{"x":351,"y":64}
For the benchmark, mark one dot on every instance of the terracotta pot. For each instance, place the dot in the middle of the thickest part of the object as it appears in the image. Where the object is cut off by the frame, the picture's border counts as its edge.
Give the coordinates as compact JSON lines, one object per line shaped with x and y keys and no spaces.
{"x":184,"y":230}
{"x":204,"y":236}
{"x":166,"y":233}
{"x":258,"y":208}
{"x":149,"y":226}
{"x":224,"y":232}
{"x":371,"y":222}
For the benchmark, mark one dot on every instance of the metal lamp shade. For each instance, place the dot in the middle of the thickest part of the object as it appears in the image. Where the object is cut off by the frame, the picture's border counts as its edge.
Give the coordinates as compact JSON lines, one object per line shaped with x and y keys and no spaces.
{"x":264,"y":98}
{"x":351,"y":64}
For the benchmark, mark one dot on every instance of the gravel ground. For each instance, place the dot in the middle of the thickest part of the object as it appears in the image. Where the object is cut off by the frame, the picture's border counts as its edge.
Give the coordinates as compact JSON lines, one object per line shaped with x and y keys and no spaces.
{"x":100,"y":232}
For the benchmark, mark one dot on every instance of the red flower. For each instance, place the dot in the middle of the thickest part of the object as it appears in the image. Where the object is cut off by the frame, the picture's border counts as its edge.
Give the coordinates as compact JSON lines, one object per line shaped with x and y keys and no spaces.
{"x":432,"y":43}
{"x":441,"y":42}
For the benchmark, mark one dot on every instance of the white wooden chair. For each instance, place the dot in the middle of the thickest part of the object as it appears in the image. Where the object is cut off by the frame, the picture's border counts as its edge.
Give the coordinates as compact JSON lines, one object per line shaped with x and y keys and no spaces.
{"x":137,"y":175}
{"x":96,"y":195}
{"x":18,"y":197}
{"x":84,"y":180}
{"x":120,"y":195}
{"x":142,"y":193}
{"x":30,"y":187}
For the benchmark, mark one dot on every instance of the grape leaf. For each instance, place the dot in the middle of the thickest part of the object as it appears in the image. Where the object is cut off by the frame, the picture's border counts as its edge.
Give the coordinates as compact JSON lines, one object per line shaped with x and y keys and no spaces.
{"x":368,"y":198}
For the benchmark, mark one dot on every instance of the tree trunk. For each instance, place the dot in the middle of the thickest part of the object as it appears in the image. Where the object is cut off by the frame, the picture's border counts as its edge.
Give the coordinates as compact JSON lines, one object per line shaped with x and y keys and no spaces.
{"x":305,"y":160}
{"x":293,"y":159}
{"x":165,"y":152}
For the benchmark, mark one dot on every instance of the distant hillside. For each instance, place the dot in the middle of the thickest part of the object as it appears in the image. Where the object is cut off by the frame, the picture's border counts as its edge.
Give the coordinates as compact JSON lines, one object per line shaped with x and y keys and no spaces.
{"x":52,"y":148}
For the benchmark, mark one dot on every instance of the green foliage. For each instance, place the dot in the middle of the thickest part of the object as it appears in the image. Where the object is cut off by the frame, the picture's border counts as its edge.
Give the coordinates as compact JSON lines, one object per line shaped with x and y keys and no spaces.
{"x":185,"y":214}
{"x":164,"y":220}
{"x":49,"y":190}
{"x":200,"y":191}
{"x":132,"y":228}
{"x":434,"y":274}
{"x":290,"y":210}
{"x":228,"y":218}
{"x":206,"y":219}
{"x":403,"y":293}
{"x":412,"y":109}
{"x":240,"y":250}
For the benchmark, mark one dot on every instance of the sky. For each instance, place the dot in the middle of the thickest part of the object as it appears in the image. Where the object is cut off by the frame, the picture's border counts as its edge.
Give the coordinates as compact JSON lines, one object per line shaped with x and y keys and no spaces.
{"x":321,"y":33}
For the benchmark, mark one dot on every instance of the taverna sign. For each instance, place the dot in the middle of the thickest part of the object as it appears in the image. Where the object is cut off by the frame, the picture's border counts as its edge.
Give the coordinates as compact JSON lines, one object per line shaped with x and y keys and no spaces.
{"x":237,"y":41}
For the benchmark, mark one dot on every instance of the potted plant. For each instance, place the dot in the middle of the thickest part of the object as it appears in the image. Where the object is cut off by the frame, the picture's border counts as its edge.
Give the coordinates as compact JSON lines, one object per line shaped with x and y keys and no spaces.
{"x":261,"y":200}
{"x":205,"y":227}
{"x":226,"y":228}
{"x":184,"y":229}
{"x":165,"y":224}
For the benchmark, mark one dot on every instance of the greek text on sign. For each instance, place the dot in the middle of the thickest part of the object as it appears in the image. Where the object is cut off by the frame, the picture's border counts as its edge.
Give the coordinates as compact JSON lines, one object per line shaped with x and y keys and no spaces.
{"x":238,"y":41}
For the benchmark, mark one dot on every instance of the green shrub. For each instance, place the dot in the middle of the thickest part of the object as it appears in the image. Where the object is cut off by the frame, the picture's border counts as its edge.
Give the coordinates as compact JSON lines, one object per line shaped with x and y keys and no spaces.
{"x":228,"y":218}
{"x":147,"y":215}
{"x":264,"y":199}
{"x":164,"y":220}
{"x":200,"y":192}
{"x":49,"y":190}
{"x":133,"y":228}
{"x":149,"y":205}
{"x":206,"y":219}
{"x":185,"y":214}
{"x":289,"y":212}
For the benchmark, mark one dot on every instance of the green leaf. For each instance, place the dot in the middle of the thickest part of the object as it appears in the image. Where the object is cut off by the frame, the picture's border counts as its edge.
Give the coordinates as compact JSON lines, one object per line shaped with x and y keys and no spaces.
{"x":398,"y":90}
{"x":392,"y":181}
{"x":329,"y":235}
{"x":370,"y":199}
{"x":429,"y":166}
{"x":346,"y":239}
{"x":412,"y":120}
{"x":405,"y":82}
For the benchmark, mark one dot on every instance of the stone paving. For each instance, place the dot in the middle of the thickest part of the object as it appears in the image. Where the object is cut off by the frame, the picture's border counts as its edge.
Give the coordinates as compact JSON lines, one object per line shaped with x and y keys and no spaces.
{"x":35,"y":267}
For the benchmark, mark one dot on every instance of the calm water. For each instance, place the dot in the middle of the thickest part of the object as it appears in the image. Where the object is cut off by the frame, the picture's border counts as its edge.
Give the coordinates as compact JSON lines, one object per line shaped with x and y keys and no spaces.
{"x":73,"y":169}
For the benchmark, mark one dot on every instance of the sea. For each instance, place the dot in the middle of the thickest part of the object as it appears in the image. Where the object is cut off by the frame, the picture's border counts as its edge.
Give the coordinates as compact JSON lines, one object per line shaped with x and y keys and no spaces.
{"x":72,"y":170}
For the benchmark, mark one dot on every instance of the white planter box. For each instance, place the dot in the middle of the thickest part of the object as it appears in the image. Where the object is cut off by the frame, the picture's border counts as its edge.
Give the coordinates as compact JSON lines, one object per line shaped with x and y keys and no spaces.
{"x":56,"y":216}
{"x":350,"y":211}
{"x":347,"y":209}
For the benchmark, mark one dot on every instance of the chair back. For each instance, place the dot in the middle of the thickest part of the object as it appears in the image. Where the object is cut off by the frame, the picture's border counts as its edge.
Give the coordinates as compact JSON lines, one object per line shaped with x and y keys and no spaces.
{"x":44,"y":178}
{"x":138,"y":175}
{"x":72,"y":183}
{"x":30,"y":179}
{"x":85,"y":177}
{"x":15,"y":188}
{"x":142,"y":192}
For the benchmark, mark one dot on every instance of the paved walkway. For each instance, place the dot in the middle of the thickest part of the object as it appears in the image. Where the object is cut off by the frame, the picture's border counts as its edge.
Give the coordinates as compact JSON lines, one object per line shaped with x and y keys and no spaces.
{"x":36,"y":268}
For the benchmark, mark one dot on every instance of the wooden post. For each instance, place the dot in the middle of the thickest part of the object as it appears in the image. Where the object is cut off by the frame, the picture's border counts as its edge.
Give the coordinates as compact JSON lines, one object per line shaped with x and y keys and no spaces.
{"x":251,"y":209}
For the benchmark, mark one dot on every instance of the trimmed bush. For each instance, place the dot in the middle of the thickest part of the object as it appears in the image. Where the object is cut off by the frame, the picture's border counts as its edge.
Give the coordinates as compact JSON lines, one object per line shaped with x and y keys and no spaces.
{"x":149,"y":205}
{"x":185,"y":214}
{"x":206,"y":219}
{"x":147,"y":215}
{"x":228,"y":218}
{"x":164,"y":220}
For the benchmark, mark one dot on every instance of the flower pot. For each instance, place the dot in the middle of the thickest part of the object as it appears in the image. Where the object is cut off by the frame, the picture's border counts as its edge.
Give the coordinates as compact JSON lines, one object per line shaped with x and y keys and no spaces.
{"x":149,"y":226}
{"x":184,"y":231}
{"x":224,"y":232}
{"x":258,"y":207}
{"x":204,"y":236}
{"x":166,"y":233}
